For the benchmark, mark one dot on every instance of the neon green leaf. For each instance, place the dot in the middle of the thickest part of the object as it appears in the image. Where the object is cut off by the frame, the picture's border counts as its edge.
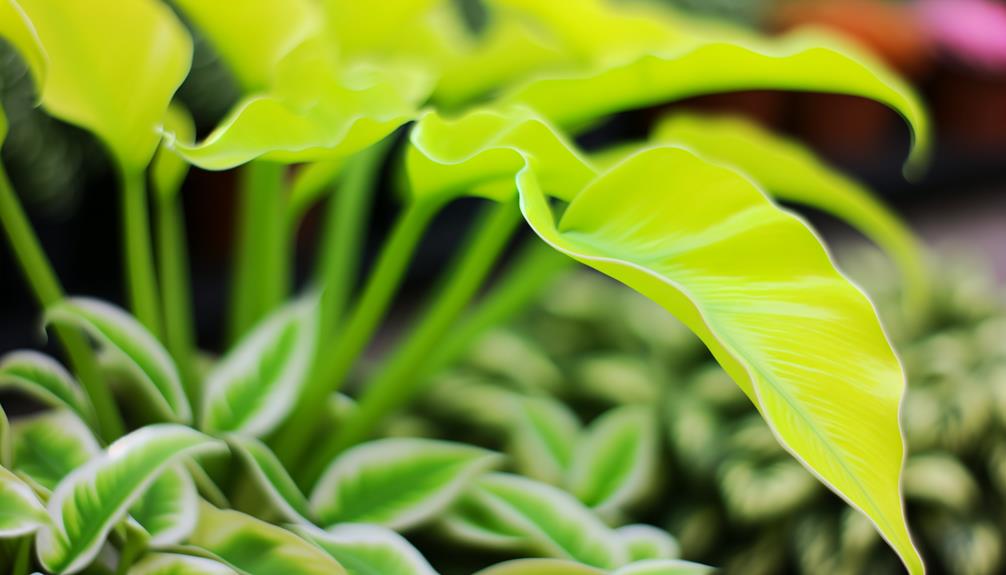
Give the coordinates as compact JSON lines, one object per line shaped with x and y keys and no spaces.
{"x":397,"y":483}
{"x":368,"y":549}
{"x":360,"y":29}
{"x":112,"y":69}
{"x":258,"y":548}
{"x":801,"y":61}
{"x":48,"y":447}
{"x":540,"y":567}
{"x":544,"y":434}
{"x":88,"y":502}
{"x":553,"y":521}
{"x":168,"y":509}
{"x":252,"y":36}
{"x":131,"y":345}
{"x":44,"y":379}
{"x":648,"y":542}
{"x":17,"y":29}
{"x":316,"y":110}
{"x":174,"y":564}
{"x":21,"y":512}
{"x":272,"y":478}
{"x":758,"y":288}
{"x":254,"y":386}
{"x":167,"y":170}
{"x":793,"y":173}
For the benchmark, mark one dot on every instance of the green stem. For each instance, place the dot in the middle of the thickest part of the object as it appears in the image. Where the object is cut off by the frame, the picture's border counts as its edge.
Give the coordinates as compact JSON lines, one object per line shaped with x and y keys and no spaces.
{"x":179,"y":334}
{"x":43,"y":283}
{"x":136,"y":544}
{"x":22,"y":559}
{"x":141,"y":281}
{"x":261,"y":277}
{"x":341,"y":244}
{"x":331,"y":368}
{"x":396,"y":383}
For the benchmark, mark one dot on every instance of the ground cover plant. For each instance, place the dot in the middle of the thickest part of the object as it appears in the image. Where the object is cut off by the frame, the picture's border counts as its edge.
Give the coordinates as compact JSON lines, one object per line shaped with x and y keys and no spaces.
{"x":153,"y":458}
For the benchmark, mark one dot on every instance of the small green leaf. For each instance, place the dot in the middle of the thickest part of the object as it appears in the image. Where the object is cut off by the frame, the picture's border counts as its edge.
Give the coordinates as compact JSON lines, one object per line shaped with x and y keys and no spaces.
{"x":397,"y":483}
{"x":761,"y":292}
{"x":16,"y":28}
{"x":552,"y":520}
{"x":791,"y":172}
{"x":368,"y":549}
{"x":648,"y":542}
{"x":112,"y":68}
{"x":616,"y":460}
{"x":175,"y":564}
{"x":21,"y":512}
{"x":665,"y":567}
{"x":167,"y":170}
{"x":540,"y":567}
{"x":258,"y":548}
{"x":128,"y":341}
{"x":48,"y":447}
{"x":252,"y":36}
{"x":168,"y":509}
{"x":272,"y":478}
{"x":801,"y":61}
{"x":45,"y":379}
{"x":544,"y":433}
{"x":255,"y":385}
{"x":88,"y":502}
{"x":470,"y":523}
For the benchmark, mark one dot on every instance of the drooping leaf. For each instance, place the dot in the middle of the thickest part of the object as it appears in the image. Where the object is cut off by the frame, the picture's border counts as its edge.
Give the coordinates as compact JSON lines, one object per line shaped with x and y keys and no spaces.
{"x":17,"y":29}
{"x":252,"y":36}
{"x":258,"y":548}
{"x":21,"y":512}
{"x":133,"y":346}
{"x":791,"y":172}
{"x":665,"y":567}
{"x":397,"y":483}
{"x":89,"y":501}
{"x":541,"y":567}
{"x":648,"y":542}
{"x":167,"y":170}
{"x":544,"y":435}
{"x":616,"y":460}
{"x":318,"y":109}
{"x":45,"y":379}
{"x":48,"y":447}
{"x":272,"y":478}
{"x":552,"y":520}
{"x":176,"y":564}
{"x":112,"y":68}
{"x":758,"y":288}
{"x":168,"y":509}
{"x":801,"y":61}
{"x":368,"y":549}
{"x":254,"y":386}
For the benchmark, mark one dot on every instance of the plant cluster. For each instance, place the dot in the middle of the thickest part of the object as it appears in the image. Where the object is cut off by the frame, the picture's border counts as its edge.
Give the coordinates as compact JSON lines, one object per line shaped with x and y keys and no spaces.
{"x":153,"y":458}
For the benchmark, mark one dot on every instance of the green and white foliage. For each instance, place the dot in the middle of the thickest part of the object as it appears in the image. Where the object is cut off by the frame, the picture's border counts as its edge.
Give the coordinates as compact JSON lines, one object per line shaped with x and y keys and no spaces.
{"x":176,"y":564}
{"x":47,"y":447}
{"x":648,"y":542}
{"x":45,"y":379}
{"x":167,"y":510}
{"x":21,"y":512}
{"x":544,"y":434}
{"x":135,"y":348}
{"x":365,"y":549}
{"x":397,"y":483}
{"x":272,"y":478}
{"x":251,"y":389}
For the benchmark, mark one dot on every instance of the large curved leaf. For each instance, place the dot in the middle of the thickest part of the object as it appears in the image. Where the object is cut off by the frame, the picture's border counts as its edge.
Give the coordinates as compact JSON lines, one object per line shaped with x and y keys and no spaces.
{"x":369,"y":549}
{"x":257,"y":548}
{"x":761,"y":292}
{"x":20,"y":510}
{"x":254,"y":386}
{"x":168,"y":509}
{"x":793,"y":173}
{"x":800,"y":61}
{"x":552,"y":520}
{"x":112,"y":68}
{"x":48,"y":447}
{"x":397,"y":483}
{"x":44,"y":378}
{"x":88,"y":502}
{"x":130,"y":342}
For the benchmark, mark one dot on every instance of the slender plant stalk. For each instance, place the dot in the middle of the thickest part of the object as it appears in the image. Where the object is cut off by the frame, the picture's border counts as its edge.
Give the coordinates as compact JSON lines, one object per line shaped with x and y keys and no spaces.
{"x":261,"y":278}
{"x":22,"y":557}
{"x":43,"y":283}
{"x":136,"y":543}
{"x":172,"y":256}
{"x":333,"y":366}
{"x":141,"y":280}
{"x":341,"y":245}
{"x":396,"y":383}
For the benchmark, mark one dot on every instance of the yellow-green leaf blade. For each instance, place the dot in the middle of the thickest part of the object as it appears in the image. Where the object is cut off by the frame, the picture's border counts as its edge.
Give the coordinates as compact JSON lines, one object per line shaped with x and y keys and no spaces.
{"x":48,"y":447}
{"x":17,"y":29}
{"x":20,"y":510}
{"x":756,"y":285}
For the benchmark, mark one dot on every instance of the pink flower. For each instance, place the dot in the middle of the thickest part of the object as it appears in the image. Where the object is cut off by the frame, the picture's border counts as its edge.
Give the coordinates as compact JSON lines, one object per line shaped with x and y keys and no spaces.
{"x":974,"y":30}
